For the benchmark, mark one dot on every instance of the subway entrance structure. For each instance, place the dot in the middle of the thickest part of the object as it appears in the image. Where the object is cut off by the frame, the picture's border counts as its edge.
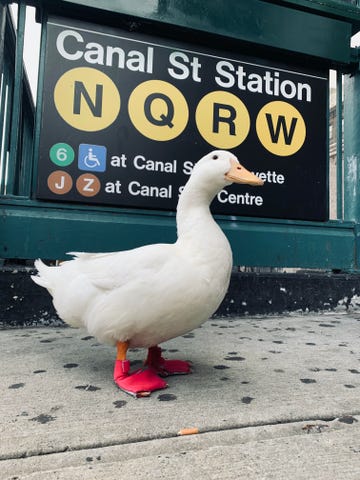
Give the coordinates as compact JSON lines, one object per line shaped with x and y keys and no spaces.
{"x":131,"y":94}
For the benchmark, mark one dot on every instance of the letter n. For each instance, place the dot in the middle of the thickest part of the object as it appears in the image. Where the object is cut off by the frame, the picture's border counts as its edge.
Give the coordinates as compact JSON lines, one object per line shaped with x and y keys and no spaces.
{"x":80,"y":93}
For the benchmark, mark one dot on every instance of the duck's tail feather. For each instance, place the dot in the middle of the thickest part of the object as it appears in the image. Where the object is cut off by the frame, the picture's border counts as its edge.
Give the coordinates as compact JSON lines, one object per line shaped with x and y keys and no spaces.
{"x":42,"y":278}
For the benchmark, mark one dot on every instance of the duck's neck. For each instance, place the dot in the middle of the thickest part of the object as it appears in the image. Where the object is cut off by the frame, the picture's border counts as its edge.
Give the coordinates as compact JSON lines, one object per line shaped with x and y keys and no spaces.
{"x":193,"y":212}
{"x":202,"y":238}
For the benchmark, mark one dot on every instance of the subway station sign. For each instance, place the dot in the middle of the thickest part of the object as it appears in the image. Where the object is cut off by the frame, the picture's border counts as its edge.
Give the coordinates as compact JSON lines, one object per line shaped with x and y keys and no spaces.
{"x":125,"y":116}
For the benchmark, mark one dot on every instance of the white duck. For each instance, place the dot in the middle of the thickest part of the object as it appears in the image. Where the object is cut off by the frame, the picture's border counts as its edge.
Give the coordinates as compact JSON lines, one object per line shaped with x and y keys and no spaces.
{"x":145,"y":296}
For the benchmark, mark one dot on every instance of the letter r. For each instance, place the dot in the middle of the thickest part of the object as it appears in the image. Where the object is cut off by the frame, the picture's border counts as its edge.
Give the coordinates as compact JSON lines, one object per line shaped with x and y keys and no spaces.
{"x":220,"y":117}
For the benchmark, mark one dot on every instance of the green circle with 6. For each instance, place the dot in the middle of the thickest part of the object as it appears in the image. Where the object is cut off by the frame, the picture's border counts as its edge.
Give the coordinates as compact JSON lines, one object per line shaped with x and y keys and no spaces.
{"x":62,"y":154}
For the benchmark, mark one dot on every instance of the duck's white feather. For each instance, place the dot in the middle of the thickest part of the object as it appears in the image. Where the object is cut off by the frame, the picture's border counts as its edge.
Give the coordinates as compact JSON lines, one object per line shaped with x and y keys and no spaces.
{"x":153,"y":293}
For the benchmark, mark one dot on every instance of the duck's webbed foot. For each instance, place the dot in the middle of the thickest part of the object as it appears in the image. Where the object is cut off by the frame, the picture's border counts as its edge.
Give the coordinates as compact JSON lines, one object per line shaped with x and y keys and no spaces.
{"x":139,"y":383}
{"x":165,"y":367}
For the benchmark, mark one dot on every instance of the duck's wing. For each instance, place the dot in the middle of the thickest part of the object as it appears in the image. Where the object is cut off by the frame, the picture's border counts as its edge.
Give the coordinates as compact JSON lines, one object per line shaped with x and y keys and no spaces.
{"x":112,"y":270}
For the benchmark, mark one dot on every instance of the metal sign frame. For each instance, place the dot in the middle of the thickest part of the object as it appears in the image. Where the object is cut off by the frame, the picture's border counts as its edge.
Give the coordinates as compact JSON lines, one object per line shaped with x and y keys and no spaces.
{"x":31,"y":228}
{"x":97,"y":104}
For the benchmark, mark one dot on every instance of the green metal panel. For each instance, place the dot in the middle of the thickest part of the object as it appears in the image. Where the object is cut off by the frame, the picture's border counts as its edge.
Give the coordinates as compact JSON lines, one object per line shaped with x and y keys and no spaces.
{"x":255,"y":21}
{"x":347,"y":10}
{"x":29,"y":231}
{"x":342,"y":9}
{"x":305,"y":245}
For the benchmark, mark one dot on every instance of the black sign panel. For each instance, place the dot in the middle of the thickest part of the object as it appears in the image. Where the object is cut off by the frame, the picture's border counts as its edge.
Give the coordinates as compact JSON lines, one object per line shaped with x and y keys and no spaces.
{"x":125,"y":116}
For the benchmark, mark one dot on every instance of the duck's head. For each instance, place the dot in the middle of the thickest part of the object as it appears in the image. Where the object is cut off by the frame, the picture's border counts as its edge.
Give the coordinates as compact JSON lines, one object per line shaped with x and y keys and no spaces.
{"x":222,"y":168}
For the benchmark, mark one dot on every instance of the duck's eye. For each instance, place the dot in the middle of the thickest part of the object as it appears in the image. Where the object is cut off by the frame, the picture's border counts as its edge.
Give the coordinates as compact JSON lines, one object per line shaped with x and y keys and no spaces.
{"x":215,"y":157}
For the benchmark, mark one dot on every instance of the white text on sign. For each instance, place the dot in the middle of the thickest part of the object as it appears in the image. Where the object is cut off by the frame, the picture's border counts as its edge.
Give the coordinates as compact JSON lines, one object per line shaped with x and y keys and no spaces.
{"x":72,"y":46}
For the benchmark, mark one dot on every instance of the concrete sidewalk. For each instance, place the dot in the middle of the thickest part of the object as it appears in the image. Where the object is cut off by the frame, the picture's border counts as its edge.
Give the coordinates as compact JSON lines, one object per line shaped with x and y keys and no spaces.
{"x":273,"y":398}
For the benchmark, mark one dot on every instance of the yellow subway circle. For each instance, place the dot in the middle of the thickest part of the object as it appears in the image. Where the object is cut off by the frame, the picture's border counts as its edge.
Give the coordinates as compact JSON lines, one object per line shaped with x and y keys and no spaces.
{"x":158,"y":110}
{"x":280,"y":128}
{"x":222,"y":119}
{"x":87,"y":99}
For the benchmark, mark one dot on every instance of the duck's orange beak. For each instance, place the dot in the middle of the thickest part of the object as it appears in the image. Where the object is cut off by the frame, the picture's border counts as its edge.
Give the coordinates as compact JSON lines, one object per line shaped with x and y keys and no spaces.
{"x":239,"y":174}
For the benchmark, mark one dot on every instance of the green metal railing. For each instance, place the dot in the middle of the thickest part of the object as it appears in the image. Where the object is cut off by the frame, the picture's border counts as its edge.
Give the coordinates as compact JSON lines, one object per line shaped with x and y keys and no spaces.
{"x":31,"y":228}
{"x":16,"y":105}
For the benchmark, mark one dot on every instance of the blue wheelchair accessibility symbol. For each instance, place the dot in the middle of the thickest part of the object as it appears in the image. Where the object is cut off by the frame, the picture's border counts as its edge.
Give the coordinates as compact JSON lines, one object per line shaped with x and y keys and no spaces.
{"x":92,"y":158}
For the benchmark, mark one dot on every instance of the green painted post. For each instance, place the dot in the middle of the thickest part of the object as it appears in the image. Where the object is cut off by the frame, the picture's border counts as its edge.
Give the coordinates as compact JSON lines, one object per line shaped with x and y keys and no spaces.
{"x":352,"y":147}
{"x":339,"y":146}
{"x":2,"y":36}
{"x":4,"y":81}
{"x":36,"y":138}
{"x":17,"y":99}
{"x":352,"y":155}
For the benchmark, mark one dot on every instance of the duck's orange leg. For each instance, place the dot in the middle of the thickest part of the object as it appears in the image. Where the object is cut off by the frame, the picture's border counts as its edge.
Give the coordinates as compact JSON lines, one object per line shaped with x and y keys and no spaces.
{"x":165,"y":367}
{"x":139,"y":383}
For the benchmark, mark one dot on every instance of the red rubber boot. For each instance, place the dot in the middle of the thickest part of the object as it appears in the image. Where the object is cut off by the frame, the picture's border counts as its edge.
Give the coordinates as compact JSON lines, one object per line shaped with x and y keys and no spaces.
{"x":163,"y":367}
{"x":139,"y":383}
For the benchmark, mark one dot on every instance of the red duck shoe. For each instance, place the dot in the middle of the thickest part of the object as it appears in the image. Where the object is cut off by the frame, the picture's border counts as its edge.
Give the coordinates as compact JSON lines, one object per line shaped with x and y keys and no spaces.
{"x":139,"y":383}
{"x":164,"y":367}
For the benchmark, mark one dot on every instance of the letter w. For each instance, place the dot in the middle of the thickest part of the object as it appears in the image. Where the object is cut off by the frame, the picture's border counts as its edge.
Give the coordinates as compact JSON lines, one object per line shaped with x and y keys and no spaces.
{"x":80,"y":91}
{"x":281,"y":126}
